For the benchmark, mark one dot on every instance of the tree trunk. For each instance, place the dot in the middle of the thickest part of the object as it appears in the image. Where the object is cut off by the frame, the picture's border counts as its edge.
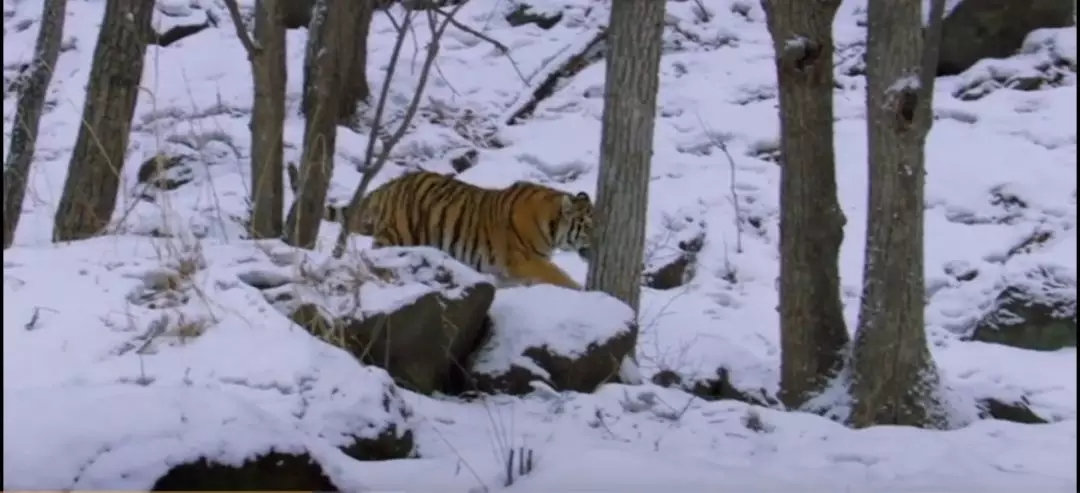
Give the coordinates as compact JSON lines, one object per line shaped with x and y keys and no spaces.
{"x":24,"y":131}
{"x":895,"y":380}
{"x":354,"y":83}
{"x":89,"y":197}
{"x":267,"y":119}
{"x":350,"y":42}
{"x":626,"y":145}
{"x":812,"y":328}
{"x":321,"y":95}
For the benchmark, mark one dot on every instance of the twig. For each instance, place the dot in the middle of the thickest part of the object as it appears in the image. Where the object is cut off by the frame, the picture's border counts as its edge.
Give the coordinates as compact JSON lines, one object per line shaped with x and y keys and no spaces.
{"x":503,"y":49}
{"x":454,"y":22}
{"x":372,"y":168}
{"x":241,"y":30}
{"x":734,"y":193}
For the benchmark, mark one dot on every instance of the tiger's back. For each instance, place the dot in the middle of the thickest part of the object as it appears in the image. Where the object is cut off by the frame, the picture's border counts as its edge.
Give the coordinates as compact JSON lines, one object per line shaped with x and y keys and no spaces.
{"x":510,"y":233}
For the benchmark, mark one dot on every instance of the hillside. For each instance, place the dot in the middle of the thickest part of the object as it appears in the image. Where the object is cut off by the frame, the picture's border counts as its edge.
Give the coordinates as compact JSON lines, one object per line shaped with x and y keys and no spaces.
{"x":1001,"y":218}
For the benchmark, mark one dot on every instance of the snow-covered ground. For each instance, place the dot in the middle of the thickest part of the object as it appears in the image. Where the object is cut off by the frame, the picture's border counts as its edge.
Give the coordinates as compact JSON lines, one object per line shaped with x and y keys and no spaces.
{"x":92,"y":401}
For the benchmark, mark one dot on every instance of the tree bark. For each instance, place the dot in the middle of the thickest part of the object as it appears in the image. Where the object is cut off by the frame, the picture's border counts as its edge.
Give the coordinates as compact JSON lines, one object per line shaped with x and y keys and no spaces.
{"x":354,"y":83}
{"x":812,"y":328}
{"x":89,"y":196}
{"x":350,"y":41}
{"x":322,"y":93}
{"x":626,"y":145}
{"x":895,"y":380}
{"x":267,"y":119}
{"x":24,"y":130}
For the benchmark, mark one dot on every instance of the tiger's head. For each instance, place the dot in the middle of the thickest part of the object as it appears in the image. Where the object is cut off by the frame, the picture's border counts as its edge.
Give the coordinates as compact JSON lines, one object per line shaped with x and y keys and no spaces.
{"x":575,"y":227}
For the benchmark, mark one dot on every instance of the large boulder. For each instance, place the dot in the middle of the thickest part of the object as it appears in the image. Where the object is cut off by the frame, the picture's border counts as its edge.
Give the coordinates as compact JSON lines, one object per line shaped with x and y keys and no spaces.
{"x":414,"y":312}
{"x":1045,"y":61}
{"x":569,"y":340}
{"x":1036,"y":311}
{"x":131,"y":437}
{"x":978,"y":29}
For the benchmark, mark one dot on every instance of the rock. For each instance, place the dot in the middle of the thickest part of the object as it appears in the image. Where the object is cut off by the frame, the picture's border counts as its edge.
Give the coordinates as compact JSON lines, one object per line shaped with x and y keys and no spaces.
{"x":570,"y":340}
{"x":524,"y":14}
{"x":1046,"y":60}
{"x":414,"y":312}
{"x":717,"y":388}
{"x":978,"y":29}
{"x":161,"y":437}
{"x":465,"y":161}
{"x":1017,"y":412}
{"x":271,"y":471}
{"x":166,"y":172}
{"x":1038,"y":314}
{"x":676,"y":271}
{"x":376,"y":425}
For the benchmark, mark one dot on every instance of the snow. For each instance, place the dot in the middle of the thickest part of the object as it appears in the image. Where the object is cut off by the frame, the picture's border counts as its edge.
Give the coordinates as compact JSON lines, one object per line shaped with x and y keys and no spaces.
{"x":78,"y":437}
{"x":87,"y":329}
{"x":566,"y":324}
{"x":363,"y":283}
{"x":127,"y":352}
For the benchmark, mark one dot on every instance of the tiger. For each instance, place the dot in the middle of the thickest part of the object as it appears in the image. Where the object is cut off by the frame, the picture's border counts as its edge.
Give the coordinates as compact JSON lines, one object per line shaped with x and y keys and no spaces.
{"x":509,"y":233}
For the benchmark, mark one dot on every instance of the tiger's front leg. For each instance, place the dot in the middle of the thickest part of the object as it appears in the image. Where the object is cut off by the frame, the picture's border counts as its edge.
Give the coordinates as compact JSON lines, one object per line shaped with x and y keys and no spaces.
{"x":541,"y":271}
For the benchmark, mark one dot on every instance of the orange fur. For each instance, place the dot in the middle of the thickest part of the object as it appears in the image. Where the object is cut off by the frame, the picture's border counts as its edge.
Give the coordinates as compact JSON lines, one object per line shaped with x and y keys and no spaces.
{"x":509,"y":233}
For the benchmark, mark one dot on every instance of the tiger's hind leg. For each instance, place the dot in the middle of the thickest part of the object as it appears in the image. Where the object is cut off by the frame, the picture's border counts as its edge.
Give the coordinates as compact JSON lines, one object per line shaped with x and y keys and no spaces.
{"x":541,"y":271}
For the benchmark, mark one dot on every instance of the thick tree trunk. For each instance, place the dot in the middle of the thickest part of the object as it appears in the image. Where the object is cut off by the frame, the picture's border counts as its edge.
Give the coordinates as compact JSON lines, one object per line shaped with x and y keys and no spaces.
{"x":322,"y":92}
{"x":24,"y":131}
{"x":89,"y":197}
{"x":350,"y":43}
{"x":895,"y":380}
{"x":626,"y":146}
{"x":812,"y":329}
{"x":267,"y":120}
{"x":354,"y":37}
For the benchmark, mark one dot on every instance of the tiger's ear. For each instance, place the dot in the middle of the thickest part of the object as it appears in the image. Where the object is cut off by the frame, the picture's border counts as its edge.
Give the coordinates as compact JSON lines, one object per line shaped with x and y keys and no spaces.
{"x":582,"y":196}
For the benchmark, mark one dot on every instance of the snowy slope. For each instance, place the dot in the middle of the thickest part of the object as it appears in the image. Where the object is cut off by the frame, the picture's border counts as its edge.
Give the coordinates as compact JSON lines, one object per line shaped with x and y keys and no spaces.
{"x":717,"y":85}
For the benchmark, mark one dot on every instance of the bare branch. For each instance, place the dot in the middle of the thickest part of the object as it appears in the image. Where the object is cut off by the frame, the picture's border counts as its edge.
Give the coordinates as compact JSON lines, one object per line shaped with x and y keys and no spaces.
{"x":734,"y":191}
{"x":503,"y":49}
{"x":241,"y":30}
{"x":454,"y":22}
{"x":372,"y":168}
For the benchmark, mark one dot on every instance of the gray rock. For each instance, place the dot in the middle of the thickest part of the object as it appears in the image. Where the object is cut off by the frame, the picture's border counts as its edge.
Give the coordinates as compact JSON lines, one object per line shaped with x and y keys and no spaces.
{"x":1031,"y":316}
{"x":978,"y":29}
{"x":569,"y":340}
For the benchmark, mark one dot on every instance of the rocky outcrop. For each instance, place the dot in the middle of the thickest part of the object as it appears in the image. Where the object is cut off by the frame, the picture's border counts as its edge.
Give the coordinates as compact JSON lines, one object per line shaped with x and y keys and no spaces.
{"x":568,"y":340}
{"x":978,"y":29}
{"x":271,"y":471}
{"x":414,"y":312}
{"x":1037,"y":312}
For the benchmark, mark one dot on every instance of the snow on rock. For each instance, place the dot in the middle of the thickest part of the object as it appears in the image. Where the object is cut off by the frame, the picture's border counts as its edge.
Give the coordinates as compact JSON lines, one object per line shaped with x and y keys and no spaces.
{"x":1047,"y":59}
{"x":130,"y":437}
{"x":157,"y":314}
{"x":569,"y":339}
{"x":367,"y":283}
{"x":415,"y":311}
{"x":1001,"y":170}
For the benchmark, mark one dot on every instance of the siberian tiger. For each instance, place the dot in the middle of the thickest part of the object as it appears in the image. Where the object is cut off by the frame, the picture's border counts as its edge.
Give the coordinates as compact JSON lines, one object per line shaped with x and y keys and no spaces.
{"x":509,"y":233}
